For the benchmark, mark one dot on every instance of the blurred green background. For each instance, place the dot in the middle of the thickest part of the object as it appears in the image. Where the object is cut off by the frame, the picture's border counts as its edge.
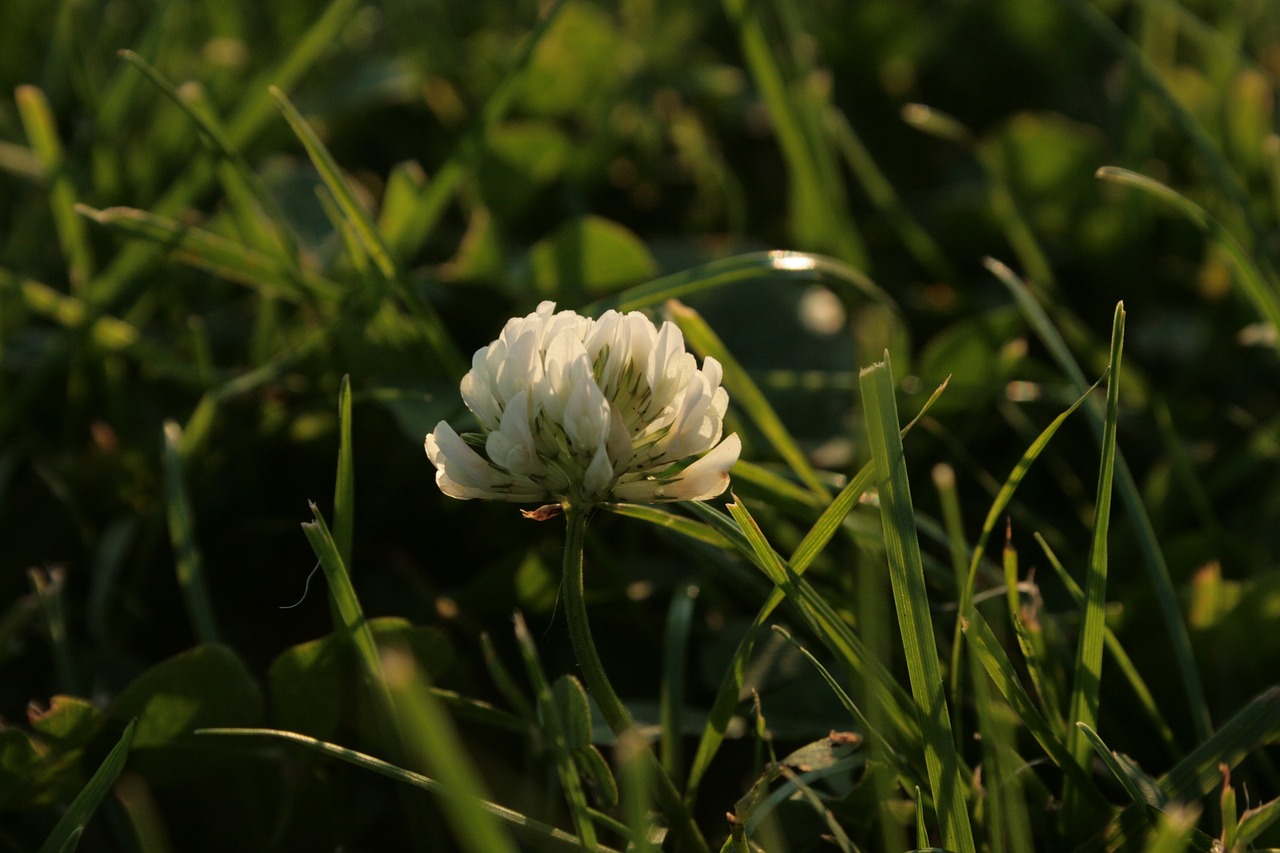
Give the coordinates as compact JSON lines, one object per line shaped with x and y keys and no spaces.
{"x":510,"y":152}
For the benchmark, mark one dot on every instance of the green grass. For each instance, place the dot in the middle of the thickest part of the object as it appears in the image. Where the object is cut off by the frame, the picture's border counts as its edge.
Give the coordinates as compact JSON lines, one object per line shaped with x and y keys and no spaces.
{"x":217,"y":222}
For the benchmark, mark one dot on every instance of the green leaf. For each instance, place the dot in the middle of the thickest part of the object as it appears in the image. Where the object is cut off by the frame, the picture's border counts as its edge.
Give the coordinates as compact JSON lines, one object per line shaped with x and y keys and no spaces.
{"x":1140,"y":787}
{"x":344,"y":509}
{"x":589,"y":255}
{"x":906,"y":574}
{"x":66,"y":833}
{"x":206,"y":686}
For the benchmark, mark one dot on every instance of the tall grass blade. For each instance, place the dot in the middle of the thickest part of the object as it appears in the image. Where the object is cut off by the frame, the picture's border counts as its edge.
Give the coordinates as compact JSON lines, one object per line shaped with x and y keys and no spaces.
{"x":1115,"y":653}
{"x":541,"y":834}
{"x":1166,"y":597}
{"x":1139,"y":787}
{"x":819,"y":535}
{"x":906,"y":574}
{"x":1086,"y":686}
{"x":819,"y":208}
{"x":66,"y":833}
{"x":344,"y":492}
{"x":195,"y":593}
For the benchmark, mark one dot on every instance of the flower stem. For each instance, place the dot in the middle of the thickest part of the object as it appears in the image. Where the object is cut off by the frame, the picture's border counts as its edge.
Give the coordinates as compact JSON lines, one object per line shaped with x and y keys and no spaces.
{"x":615,"y":713}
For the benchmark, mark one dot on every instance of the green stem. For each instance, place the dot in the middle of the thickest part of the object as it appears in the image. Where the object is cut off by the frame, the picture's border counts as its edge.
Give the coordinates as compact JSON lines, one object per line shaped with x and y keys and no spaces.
{"x":615,"y":713}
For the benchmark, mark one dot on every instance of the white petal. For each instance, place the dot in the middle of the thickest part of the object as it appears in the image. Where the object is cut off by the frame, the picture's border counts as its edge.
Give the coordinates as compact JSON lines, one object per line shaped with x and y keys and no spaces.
{"x":598,"y":477}
{"x":707,"y":477}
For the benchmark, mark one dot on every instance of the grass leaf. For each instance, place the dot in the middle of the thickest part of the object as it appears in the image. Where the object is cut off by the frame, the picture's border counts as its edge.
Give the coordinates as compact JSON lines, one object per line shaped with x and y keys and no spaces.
{"x":66,"y":833}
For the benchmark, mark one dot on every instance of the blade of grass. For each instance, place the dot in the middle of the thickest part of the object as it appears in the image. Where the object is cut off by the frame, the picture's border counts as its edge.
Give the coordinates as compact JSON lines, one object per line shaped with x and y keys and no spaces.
{"x":219,"y":255}
{"x":819,"y":535}
{"x":234,"y":172}
{"x":42,"y":132}
{"x":906,"y":575}
{"x":195,"y":592}
{"x":49,"y":586}
{"x":536,"y":831}
{"x":992,"y":656}
{"x":1086,"y":684}
{"x":819,"y":214}
{"x":1116,"y":653}
{"x":1259,"y":287}
{"x":1166,"y":596}
{"x":66,"y":833}
{"x":1139,"y":788}
{"x":1198,"y":773}
{"x":344,"y":492}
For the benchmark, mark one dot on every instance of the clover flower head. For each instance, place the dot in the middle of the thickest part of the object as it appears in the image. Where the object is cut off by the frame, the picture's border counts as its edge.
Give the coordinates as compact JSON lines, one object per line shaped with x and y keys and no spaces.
{"x":588,"y":411}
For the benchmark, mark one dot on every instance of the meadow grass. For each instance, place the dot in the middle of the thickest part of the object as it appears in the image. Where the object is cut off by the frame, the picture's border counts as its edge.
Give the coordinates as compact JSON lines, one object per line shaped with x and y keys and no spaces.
{"x":997,"y":261}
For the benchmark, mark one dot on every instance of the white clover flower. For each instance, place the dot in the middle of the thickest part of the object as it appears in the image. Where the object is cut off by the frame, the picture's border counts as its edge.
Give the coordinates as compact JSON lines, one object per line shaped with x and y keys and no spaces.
{"x":588,"y":411}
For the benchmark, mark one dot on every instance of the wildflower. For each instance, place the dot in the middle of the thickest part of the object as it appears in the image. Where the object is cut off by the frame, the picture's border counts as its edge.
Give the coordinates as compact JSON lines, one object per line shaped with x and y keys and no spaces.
{"x":586,"y":411}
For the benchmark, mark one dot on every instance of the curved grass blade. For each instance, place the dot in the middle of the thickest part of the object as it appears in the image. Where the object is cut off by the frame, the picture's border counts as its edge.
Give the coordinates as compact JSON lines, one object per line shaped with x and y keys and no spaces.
{"x":1258,"y":287}
{"x":238,"y":179}
{"x":1140,"y":787}
{"x":906,"y":574}
{"x":544,"y":835}
{"x":66,"y":833}
{"x":1196,"y":775}
{"x":1166,"y":596}
{"x":797,"y":267}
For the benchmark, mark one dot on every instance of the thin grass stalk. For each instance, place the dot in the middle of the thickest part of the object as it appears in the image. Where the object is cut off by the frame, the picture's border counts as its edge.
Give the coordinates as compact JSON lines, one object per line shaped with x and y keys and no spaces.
{"x":1166,"y":596}
{"x":689,"y":838}
{"x":187,"y":561}
{"x":906,"y":575}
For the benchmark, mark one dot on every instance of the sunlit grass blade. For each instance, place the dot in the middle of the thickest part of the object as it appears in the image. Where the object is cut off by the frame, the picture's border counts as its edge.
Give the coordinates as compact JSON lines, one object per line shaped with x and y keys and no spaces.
{"x":1255,"y":725}
{"x":1175,"y":832}
{"x":333,"y":178}
{"x":541,"y":834}
{"x":745,"y":394}
{"x":813,"y":543}
{"x":906,"y":574}
{"x":1166,"y":597}
{"x":226,"y":258}
{"x":1115,"y":653}
{"x":554,"y":729}
{"x":1086,"y":684}
{"x":794,"y":267}
{"x":344,"y":492}
{"x":42,"y":132}
{"x":195,"y":592}
{"x":1260,"y":288}
{"x":819,"y":208}
{"x":675,"y":654}
{"x":66,"y":833}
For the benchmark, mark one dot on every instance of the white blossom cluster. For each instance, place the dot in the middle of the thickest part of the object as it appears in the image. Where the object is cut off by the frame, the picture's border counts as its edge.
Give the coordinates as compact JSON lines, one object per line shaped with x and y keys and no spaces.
{"x":588,"y":411}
